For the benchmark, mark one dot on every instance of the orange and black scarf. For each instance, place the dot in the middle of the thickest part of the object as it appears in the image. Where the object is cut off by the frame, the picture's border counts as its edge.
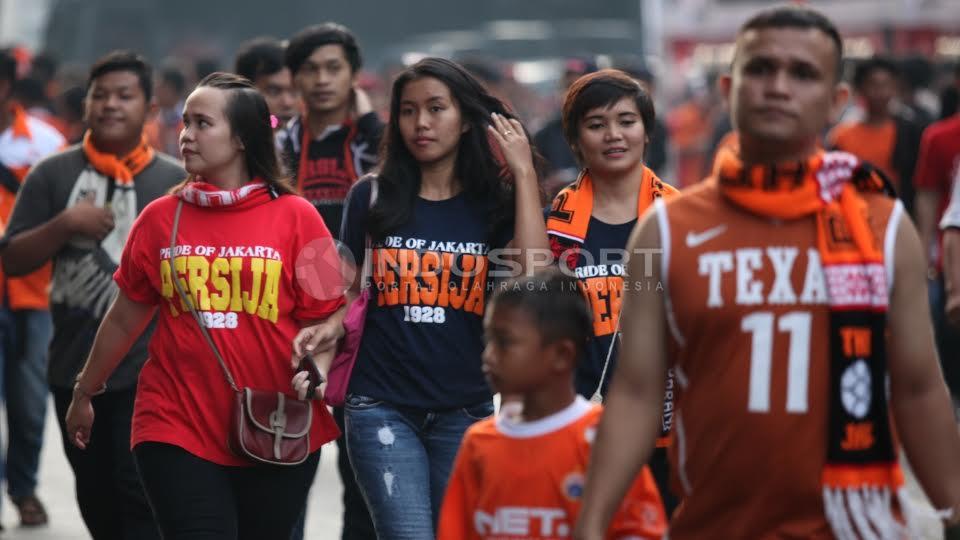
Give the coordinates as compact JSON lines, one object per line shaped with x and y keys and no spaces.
{"x":567,"y":226}
{"x":862,"y":471}
{"x":570,"y":212}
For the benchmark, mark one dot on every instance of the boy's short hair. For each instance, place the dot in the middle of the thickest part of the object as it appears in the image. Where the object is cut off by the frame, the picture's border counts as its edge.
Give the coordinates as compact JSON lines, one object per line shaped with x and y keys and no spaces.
{"x":304,"y":42}
{"x":259,"y":57}
{"x":556,"y":304}
{"x":794,"y":16}
{"x":866,"y":68}
{"x":124,"y":61}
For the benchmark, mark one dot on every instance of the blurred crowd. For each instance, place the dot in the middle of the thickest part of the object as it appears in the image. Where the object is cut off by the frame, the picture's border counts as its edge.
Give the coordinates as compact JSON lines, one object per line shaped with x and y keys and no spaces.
{"x":902,"y":119}
{"x":691,"y":118}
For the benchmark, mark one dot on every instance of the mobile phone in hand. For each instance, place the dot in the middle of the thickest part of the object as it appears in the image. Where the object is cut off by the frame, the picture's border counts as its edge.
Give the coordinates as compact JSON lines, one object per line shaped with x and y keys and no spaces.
{"x":313,"y":374}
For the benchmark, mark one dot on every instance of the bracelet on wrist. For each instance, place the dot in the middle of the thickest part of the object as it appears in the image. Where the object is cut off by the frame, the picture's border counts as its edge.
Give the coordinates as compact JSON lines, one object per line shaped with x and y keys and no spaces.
{"x":78,"y":389}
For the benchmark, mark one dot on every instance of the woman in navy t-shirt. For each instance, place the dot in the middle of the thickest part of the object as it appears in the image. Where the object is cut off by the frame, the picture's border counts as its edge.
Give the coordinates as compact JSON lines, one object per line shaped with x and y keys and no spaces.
{"x":445,"y":206}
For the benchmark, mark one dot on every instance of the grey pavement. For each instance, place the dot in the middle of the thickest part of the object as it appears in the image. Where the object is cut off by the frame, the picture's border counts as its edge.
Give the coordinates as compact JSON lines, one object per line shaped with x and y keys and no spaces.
{"x":56,"y":491}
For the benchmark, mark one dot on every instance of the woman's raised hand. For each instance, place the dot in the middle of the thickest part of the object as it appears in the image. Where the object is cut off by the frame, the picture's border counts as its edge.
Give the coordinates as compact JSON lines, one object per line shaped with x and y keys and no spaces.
{"x":509,"y":134}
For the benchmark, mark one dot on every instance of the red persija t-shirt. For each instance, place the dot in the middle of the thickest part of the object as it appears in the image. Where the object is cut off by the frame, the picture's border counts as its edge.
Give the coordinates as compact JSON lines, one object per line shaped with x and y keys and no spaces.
{"x":238,"y":262}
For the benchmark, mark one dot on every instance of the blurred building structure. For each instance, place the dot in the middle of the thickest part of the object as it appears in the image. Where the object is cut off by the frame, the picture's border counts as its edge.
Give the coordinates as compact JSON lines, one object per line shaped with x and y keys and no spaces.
{"x":700,"y":32}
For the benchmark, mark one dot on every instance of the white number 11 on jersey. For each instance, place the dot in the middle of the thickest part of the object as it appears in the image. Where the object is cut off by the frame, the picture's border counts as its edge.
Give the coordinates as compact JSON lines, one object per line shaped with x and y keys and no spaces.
{"x":760,"y":326}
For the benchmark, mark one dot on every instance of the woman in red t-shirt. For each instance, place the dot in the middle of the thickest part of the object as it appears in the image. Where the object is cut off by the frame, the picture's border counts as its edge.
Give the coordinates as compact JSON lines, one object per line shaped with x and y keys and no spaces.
{"x":241,"y":231}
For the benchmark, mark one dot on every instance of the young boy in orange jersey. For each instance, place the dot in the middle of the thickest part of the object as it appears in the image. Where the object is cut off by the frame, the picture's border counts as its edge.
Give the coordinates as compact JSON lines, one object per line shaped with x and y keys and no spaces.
{"x":522,"y":476}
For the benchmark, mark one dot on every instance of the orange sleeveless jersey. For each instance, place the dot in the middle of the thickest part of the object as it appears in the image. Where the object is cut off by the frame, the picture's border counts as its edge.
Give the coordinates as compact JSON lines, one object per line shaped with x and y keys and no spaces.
{"x":749,"y":327}
{"x":525,"y":481}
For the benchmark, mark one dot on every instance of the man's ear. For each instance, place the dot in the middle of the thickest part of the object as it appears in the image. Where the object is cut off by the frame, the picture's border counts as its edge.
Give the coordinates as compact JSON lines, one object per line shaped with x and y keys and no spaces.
{"x":841,"y":94}
{"x":565,"y":353}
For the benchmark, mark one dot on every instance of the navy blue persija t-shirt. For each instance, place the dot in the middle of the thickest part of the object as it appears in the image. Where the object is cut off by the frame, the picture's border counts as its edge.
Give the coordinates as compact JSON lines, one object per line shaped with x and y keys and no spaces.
{"x":431,"y":280}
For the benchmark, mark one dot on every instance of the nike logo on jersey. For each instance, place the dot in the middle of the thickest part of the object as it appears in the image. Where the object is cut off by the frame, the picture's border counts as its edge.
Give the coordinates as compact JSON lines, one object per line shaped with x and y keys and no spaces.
{"x":695,"y":239}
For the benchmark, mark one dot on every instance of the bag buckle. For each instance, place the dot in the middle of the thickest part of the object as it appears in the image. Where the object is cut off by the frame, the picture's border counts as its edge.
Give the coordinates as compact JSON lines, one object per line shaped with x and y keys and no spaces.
{"x":278,"y":422}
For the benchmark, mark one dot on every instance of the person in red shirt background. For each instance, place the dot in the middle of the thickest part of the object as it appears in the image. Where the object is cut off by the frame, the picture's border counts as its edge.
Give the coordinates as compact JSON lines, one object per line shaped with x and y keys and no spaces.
{"x":241,"y":275}
{"x":950,"y":225}
{"x":937,"y":167}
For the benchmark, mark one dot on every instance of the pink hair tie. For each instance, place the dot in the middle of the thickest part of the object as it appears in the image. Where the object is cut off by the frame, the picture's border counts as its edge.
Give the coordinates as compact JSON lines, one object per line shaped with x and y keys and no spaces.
{"x":274,"y":121}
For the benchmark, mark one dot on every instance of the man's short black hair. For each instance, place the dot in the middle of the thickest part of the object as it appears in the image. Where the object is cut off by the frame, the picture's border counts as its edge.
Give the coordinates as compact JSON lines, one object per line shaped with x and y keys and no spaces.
{"x":201,"y":68}
{"x":482,"y":68}
{"x":30,"y":92}
{"x":555,"y":303}
{"x":8,"y":66}
{"x":124,"y":61}
{"x":309,"y":39}
{"x":174,"y":77}
{"x":259,"y":57}
{"x":867,"y":67}
{"x":44,"y":66}
{"x":794,"y":16}
{"x":72,"y":102}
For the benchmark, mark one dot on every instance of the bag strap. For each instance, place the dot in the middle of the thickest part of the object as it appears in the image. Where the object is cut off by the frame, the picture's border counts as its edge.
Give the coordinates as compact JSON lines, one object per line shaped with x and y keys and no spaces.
{"x":367,"y":270}
{"x":189,"y":301}
{"x":597,"y":397}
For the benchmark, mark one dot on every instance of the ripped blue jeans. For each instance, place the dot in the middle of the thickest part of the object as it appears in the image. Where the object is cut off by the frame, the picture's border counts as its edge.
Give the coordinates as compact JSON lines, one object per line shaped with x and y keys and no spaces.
{"x":402,"y":459}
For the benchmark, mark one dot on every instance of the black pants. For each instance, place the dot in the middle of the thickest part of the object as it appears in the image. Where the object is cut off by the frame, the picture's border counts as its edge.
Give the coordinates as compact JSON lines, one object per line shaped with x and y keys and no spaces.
{"x":109,"y":493}
{"x":357,"y":524}
{"x":660,"y":468}
{"x":948,"y":337}
{"x":194,"y":499}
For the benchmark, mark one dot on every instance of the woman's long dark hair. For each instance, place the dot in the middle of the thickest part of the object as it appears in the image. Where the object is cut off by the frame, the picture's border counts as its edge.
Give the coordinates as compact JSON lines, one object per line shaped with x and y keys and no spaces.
{"x":483,"y":176}
{"x":249,"y":119}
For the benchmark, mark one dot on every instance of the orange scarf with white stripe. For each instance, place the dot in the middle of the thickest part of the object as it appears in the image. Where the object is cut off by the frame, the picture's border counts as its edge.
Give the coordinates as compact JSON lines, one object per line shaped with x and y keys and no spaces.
{"x":121,"y":169}
{"x":862,"y":471}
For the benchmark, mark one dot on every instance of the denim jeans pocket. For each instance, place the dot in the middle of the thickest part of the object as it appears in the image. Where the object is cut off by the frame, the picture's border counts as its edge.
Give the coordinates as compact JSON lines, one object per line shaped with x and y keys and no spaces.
{"x":479,"y":411}
{"x":357,"y":401}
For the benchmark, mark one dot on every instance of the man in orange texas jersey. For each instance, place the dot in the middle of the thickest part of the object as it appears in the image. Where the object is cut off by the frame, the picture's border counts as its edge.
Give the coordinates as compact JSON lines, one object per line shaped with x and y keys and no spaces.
{"x":793,"y":286}
{"x":521,"y":476}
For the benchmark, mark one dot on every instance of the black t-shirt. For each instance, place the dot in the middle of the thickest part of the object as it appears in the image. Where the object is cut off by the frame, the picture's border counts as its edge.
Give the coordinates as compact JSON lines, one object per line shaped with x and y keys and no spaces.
{"x":333,"y":162}
{"x":423,"y":337}
{"x":600,"y":270}
{"x":82,"y":285}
